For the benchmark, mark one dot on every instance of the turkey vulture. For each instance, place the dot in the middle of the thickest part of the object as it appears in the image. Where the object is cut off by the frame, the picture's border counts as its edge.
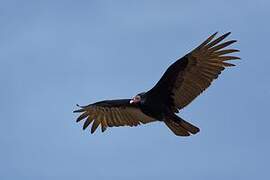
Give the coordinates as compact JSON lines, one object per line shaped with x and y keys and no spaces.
{"x":182,"y":82}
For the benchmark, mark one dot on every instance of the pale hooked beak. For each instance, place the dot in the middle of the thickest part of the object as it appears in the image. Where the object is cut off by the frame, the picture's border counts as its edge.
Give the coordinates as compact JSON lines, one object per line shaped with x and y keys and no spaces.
{"x":135,"y":100}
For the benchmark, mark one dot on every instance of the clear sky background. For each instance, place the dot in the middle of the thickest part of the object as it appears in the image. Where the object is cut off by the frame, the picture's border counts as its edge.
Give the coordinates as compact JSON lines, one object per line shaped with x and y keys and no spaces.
{"x":55,"y":54}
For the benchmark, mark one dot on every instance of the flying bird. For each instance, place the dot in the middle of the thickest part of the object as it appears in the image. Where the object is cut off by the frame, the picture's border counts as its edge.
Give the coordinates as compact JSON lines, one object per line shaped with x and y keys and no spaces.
{"x":182,"y":82}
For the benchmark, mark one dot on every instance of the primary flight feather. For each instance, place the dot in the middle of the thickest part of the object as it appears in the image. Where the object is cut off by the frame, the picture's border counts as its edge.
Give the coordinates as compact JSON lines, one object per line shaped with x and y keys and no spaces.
{"x":182,"y":82}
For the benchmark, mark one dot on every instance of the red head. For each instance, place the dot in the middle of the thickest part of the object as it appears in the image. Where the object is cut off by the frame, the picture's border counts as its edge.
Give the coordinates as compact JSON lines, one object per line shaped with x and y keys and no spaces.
{"x":135,"y":100}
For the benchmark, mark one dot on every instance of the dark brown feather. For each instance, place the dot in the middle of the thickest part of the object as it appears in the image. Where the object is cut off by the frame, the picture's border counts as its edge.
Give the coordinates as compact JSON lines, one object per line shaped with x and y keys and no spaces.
{"x":112,"y":113}
{"x":192,"y":74}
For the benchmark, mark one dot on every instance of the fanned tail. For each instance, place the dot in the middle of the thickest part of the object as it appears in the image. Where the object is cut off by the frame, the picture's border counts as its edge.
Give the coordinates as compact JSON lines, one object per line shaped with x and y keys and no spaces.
{"x":179,"y":126}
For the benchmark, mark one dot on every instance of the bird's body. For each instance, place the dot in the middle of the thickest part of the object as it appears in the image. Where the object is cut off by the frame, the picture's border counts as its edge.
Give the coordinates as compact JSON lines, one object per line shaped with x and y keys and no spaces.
{"x":152,"y":107}
{"x":182,"y":82}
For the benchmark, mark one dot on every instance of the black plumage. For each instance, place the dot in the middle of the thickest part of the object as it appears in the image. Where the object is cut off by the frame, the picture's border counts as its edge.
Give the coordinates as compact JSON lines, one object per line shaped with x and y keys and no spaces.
{"x":182,"y":82}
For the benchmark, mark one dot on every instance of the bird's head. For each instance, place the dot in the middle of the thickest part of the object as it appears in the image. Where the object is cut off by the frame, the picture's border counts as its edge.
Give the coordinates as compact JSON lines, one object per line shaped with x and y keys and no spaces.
{"x":137,"y":99}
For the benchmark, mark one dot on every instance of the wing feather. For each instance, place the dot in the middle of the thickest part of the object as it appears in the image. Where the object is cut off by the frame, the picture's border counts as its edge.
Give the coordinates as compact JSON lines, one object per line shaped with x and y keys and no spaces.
{"x":112,"y":113}
{"x":189,"y":76}
{"x":104,"y":123}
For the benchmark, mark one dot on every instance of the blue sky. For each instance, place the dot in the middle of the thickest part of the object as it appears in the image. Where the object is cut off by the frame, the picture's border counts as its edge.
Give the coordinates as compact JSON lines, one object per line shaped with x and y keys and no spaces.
{"x":55,"y":54}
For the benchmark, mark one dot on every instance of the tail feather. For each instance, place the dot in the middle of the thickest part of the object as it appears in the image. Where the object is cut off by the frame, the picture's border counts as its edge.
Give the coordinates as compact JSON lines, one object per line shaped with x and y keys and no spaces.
{"x":180,"y":127}
{"x":176,"y":129}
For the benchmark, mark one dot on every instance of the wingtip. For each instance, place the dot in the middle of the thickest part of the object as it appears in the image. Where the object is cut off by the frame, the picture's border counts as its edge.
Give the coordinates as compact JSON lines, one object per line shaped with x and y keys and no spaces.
{"x":78,"y":110}
{"x":197,"y":131}
{"x":228,"y":64}
{"x":214,"y":34}
{"x":228,"y":33}
{"x":85,"y":125}
{"x":78,"y":105}
{"x":224,"y":35}
{"x":82,"y":109}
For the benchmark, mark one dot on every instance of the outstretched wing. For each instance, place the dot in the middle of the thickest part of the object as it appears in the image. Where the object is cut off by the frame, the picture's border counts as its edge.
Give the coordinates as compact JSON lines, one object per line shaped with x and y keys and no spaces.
{"x":112,"y":113}
{"x":189,"y":76}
